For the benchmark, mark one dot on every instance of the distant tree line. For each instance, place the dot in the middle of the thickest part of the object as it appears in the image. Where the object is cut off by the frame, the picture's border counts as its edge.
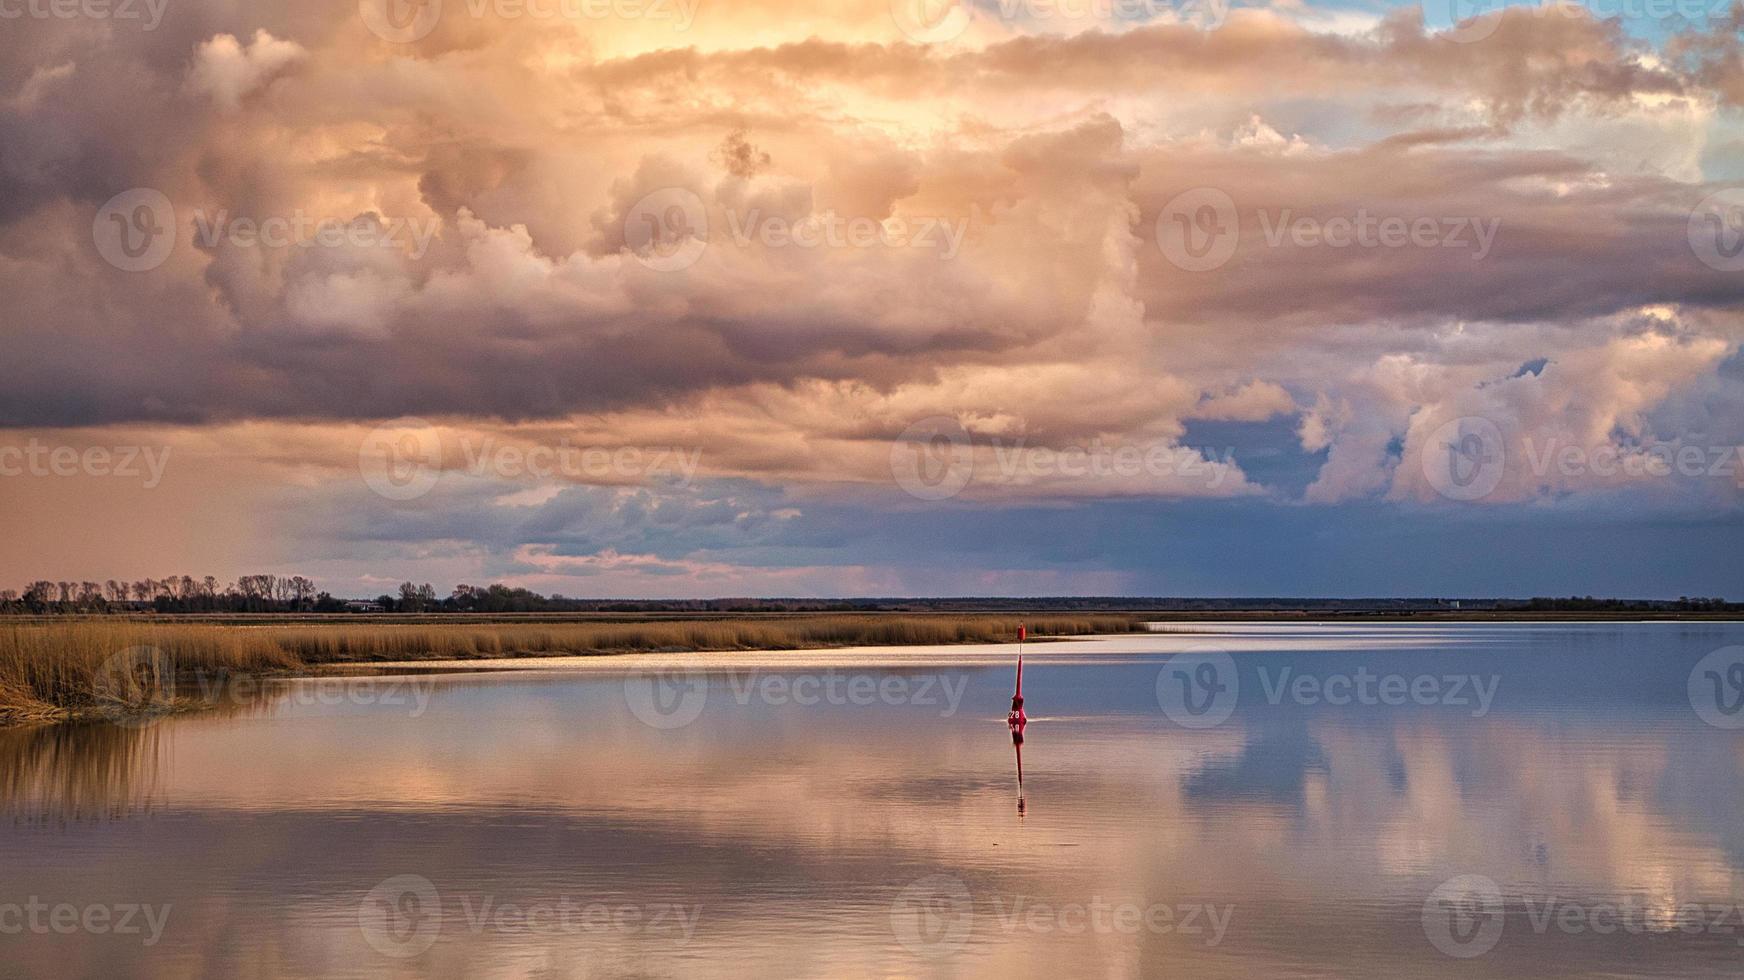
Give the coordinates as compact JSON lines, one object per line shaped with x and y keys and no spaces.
{"x":298,"y":594}
{"x":1590,"y":604}
{"x":177,"y":593}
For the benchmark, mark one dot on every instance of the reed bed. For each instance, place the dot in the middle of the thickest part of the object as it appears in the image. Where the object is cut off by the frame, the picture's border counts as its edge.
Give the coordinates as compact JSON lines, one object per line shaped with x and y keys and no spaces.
{"x":85,"y":667}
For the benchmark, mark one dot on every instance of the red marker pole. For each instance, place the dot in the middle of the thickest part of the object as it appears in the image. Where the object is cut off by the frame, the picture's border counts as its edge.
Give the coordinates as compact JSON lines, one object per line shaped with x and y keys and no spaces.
{"x":1017,"y":718}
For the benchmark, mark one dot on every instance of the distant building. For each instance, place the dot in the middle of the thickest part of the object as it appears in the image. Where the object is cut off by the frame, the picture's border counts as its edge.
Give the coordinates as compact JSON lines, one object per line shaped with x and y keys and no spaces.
{"x":364,"y":607}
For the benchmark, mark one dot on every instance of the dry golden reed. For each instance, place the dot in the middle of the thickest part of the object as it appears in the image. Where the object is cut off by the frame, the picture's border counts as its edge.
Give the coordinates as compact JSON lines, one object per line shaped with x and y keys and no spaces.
{"x":50,"y":669}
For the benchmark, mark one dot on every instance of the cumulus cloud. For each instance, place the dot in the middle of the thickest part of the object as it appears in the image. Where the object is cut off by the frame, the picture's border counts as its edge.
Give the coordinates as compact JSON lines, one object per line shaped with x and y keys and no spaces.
{"x":786,"y":244}
{"x":227,"y":71}
{"x":1255,"y":401}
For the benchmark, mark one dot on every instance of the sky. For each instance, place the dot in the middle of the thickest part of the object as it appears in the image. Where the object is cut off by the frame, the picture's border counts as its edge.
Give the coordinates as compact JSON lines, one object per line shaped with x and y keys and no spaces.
{"x":696,"y":298}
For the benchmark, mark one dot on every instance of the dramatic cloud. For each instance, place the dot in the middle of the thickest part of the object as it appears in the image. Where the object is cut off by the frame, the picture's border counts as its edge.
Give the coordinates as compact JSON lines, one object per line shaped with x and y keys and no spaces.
{"x":1281,"y":258}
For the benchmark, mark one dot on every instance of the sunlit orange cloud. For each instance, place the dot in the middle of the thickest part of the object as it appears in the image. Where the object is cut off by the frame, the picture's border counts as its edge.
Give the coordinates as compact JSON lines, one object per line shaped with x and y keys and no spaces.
{"x":783,"y":235}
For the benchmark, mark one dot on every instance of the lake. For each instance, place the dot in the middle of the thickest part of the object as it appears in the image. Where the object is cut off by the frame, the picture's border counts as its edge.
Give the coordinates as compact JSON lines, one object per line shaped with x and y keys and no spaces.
{"x":1422,"y":800}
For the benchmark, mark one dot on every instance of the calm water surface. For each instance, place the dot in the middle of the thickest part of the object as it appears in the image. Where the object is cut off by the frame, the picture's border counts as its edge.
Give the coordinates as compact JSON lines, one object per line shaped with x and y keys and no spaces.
{"x":1361,"y":801}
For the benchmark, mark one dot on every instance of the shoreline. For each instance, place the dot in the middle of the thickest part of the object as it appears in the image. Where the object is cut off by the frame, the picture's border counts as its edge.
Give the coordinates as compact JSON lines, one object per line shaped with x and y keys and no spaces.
{"x":93,"y":663}
{"x":257,"y":620}
{"x":71,"y":670}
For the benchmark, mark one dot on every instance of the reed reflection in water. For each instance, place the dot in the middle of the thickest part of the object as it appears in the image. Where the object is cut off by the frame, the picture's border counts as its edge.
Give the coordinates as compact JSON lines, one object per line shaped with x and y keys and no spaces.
{"x":78,"y":771}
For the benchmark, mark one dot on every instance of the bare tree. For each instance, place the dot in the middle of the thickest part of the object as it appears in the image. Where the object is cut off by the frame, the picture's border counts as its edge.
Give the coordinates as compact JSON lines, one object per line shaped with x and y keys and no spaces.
{"x":39,"y":594}
{"x":301,"y":589}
